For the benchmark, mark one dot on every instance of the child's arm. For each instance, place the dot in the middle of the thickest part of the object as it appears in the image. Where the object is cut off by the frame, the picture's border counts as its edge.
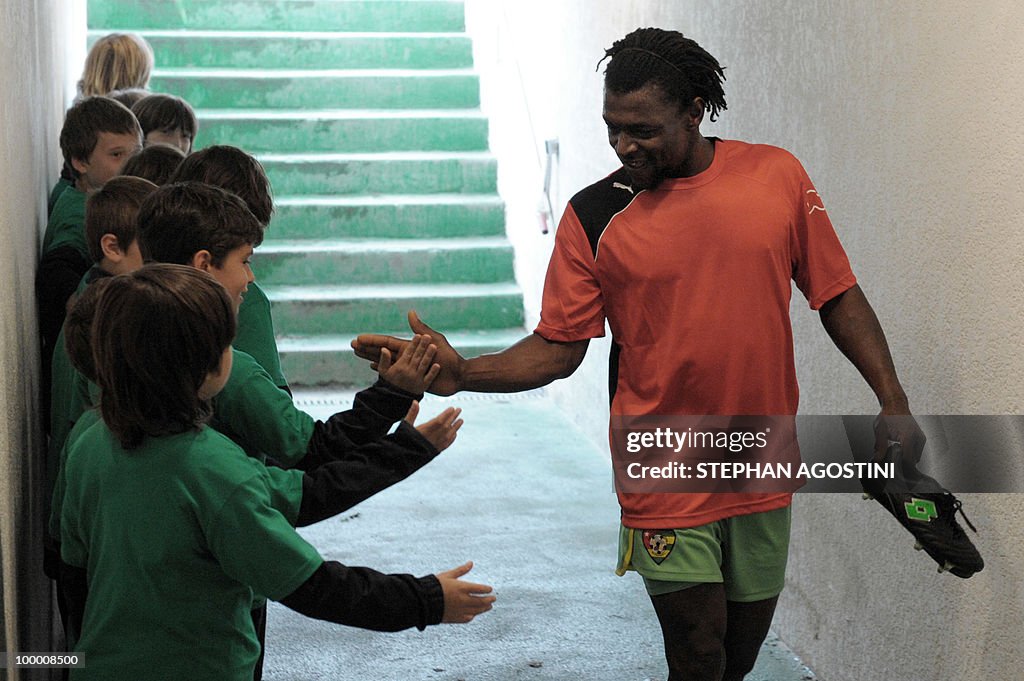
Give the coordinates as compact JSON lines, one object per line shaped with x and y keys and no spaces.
{"x":74,"y":590}
{"x":259,"y":416}
{"x":361,"y":597}
{"x":262,"y":418}
{"x":376,"y":409}
{"x":57,"y":278}
{"x":255,"y":335}
{"x":254,"y":545}
{"x":463,"y":600}
{"x":338,"y":486}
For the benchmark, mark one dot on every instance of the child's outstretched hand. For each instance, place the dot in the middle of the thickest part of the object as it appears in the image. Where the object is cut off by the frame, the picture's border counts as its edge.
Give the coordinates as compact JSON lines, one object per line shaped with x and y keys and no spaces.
{"x":441,"y":430}
{"x":414,"y":370}
{"x":463,"y":600}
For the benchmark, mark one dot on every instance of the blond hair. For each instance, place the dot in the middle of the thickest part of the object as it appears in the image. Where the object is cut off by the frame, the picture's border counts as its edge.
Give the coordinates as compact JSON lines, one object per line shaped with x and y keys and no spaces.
{"x":115,"y":62}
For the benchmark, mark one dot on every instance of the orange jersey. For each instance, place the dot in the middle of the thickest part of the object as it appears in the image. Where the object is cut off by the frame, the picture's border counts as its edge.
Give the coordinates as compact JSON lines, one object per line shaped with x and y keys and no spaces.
{"x":694,"y":279}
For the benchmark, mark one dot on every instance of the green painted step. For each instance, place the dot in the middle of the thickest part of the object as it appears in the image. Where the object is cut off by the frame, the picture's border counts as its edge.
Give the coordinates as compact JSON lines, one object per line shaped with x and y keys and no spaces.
{"x":347,"y":131}
{"x":394,"y":173}
{"x":365,"y":114}
{"x":329,"y":360}
{"x":387,"y":217}
{"x":478,"y":260}
{"x":282,"y":15}
{"x":307,"y":50}
{"x":320,"y":89}
{"x":331,"y":310}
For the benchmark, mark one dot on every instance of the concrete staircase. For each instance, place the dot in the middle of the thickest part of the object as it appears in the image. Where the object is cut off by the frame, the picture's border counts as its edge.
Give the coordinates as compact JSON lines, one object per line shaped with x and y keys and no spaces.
{"x":365,"y":114}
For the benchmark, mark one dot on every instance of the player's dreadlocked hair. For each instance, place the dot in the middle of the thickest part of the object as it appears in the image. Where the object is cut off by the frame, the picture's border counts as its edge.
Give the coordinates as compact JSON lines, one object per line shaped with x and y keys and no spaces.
{"x":678,"y":65}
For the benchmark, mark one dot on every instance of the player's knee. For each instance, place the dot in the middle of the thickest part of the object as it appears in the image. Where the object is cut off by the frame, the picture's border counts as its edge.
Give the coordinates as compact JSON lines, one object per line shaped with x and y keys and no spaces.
{"x":703,"y":658}
{"x":737,"y":667}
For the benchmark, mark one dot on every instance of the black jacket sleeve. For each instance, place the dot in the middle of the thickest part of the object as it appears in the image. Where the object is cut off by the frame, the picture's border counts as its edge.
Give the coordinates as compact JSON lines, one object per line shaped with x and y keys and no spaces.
{"x":339,"y":485}
{"x":373,"y":412}
{"x":365,"y":598}
{"x":57,"y":278}
{"x":73,"y":583}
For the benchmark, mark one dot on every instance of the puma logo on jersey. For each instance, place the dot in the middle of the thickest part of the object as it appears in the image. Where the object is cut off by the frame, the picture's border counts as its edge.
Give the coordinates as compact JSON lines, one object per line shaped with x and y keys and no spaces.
{"x":619,"y":185}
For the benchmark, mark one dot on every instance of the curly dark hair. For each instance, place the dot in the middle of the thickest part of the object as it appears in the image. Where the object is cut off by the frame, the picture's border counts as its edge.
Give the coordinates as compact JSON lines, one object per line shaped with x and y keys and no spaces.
{"x":676,"y":64}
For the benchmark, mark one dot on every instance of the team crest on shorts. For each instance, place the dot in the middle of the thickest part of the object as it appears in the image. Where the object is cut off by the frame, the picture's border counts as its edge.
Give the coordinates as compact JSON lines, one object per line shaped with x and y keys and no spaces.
{"x":659,"y":544}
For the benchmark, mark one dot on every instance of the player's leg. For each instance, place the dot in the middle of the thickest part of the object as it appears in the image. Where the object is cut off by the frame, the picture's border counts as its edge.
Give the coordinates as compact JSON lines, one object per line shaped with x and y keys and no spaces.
{"x":681,"y":571}
{"x":747,"y":628}
{"x":756,"y":550}
{"x":693,"y":626}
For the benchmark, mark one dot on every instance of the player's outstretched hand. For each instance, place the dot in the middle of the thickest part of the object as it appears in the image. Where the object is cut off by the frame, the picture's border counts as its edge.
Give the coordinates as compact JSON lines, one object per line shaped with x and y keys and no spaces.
{"x":414,"y":369}
{"x":463,"y":600}
{"x":371,"y":347}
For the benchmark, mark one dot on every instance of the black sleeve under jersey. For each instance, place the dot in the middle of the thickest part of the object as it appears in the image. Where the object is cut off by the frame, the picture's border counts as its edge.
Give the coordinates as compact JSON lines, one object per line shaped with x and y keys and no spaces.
{"x":57,"y":278}
{"x":365,"y":598}
{"x":373,"y":413}
{"x":339,"y":485}
{"x":73,"y":583}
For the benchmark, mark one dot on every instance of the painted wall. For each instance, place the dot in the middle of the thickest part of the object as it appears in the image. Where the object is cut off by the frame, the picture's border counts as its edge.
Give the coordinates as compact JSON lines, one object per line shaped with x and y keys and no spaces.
{"x":36,"y":85}
{"x":907,"y":117}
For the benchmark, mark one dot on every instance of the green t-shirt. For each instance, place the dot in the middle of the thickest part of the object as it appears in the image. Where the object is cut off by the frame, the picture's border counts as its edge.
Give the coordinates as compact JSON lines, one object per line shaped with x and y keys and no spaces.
{"x":69,"y":399}
{"x":86,"y":420}
{"x":69,"y":390}
{"x":55,"y":193}
{"x":176,"y":536}
{"x":260,"y":417}
{"x":69,"y":394}
{"x":255,"y":334}
{"x":66,"y":226}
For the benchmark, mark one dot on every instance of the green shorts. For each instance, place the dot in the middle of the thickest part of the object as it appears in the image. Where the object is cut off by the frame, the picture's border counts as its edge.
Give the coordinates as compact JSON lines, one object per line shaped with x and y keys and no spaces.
{"x":746,"y":553}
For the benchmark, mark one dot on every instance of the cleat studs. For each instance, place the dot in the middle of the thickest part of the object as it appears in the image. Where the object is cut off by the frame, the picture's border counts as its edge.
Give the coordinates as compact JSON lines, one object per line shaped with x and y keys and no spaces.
{"x":918,"y":546}
{"x":945,"y":567}
{"x":866,"y":496}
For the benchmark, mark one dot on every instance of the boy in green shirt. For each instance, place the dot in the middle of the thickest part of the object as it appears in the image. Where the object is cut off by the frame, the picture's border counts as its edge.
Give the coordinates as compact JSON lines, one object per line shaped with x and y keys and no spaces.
{"x":98,"y":137}
{"x":201,"y":225}
{"x":167,"y":119}
{"x":171,"y":528}
{"x":241,"y":174}
{"x":110,"y":218}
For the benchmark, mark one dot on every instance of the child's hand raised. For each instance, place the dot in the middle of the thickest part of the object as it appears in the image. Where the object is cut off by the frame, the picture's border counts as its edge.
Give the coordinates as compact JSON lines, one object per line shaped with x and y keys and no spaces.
{"x":414,"y":370}
{"x":441,"y":430}
{"x":463,"y":600}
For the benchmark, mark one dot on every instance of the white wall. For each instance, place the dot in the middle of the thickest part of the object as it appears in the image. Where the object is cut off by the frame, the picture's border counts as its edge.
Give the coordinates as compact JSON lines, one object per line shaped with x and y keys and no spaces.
{"x":35,"y":85}
{"x":907,"y":117}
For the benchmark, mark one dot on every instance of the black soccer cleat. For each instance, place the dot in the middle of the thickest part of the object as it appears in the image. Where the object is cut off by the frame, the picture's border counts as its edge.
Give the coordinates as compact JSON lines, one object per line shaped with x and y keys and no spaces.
{"x":928,"y":511}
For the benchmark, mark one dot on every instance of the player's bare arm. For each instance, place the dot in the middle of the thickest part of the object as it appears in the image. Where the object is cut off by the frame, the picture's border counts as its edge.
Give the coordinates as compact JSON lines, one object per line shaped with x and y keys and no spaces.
{"x":531,"y":363}
{"x":852,"y":325}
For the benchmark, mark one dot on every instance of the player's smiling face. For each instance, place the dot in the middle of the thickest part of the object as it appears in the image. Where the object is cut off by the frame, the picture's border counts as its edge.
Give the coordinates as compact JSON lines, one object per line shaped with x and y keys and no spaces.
{"x":652,"y":136}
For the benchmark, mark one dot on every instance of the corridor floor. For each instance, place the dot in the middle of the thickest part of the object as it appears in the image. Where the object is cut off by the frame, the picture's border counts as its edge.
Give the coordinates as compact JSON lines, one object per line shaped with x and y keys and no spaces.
{"x":526,"y":496}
